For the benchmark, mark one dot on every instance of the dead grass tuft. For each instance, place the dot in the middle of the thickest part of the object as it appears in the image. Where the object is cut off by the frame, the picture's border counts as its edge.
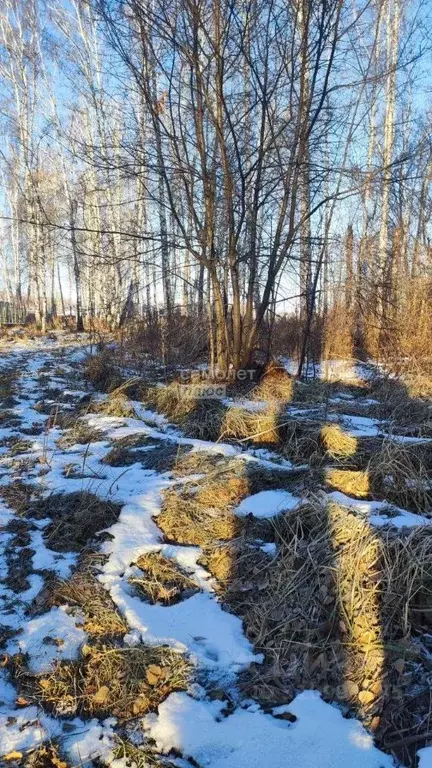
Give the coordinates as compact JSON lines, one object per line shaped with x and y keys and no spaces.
{"x":260,"y":427}
{"x":45,"y":756}
{"x":116,"y":404}
{"x":84,"y":591}
{"x":352,"y":482}
{"x":142,"y":756}
{"x":275,"y":384}
{"x":337,"y":442}
{"x":101,"y":372}
{"x":17,"y":495}
{"x":198,"y":462}
{"x":176,"y":400}
{"x":222,"y":493}
{"x":402,"y":474}
{"x":199,"y":418}
{"x":8,"y":386}
{"x":185,"y":520}
{"x":107,"y":681}
{"x":119,"y":457}
{"x":236,"y":565}
{"x":204,"y":421}
{"x":162,"y":581}
{"x":76,"y":519}
{"x":301,"y":440}
{"x":79,"y":433}
{"x":17,"y":445}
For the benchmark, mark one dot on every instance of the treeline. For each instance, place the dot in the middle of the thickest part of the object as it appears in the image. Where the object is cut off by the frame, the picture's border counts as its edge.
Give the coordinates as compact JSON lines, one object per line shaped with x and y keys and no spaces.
{"x":209,"y":167}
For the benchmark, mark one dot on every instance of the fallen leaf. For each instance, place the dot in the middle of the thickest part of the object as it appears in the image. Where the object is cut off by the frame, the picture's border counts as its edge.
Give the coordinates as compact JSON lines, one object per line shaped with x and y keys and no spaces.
{"x":101,"y":695}
{"x":22,"y":702}
{"x":13,"y":756}
{"x":153,"y":674}
{"x":366,"y":697}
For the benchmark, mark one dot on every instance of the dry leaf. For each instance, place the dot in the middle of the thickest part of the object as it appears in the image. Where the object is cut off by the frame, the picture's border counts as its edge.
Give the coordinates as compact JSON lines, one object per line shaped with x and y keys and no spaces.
{"x":22,"y":702}
{"x":101,"y":695}
{"x":366,"y":697}
{"x":13,"y":756}
{"x":140,"y":704}
{"x":153,"y":674}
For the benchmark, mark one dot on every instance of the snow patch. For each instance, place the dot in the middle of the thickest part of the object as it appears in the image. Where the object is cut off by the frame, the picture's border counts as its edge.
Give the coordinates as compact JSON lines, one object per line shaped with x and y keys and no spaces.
{"x":267,"y":504}
{"x":320,"y":737}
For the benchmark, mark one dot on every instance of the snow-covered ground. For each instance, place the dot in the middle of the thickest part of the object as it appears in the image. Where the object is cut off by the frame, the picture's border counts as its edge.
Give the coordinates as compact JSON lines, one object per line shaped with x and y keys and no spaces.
{"x":199,"y":729}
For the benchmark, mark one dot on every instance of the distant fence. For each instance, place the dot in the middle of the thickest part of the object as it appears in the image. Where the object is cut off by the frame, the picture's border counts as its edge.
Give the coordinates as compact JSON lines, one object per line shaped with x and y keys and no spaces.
{"x":12,"y":314}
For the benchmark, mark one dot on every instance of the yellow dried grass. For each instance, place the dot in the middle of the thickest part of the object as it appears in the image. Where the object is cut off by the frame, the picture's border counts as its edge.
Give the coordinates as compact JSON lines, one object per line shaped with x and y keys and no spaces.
{"x":162,"y":581}
{"x":107,"y":681}
{"x":337,"y":442}
{"x":352,"y":482}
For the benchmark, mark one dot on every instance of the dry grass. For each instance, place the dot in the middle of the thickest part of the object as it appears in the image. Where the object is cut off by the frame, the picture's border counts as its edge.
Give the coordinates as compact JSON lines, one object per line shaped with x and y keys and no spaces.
{"x":17,"y":495}
{"x":186,"y":521}
{"x":275,"y":384}
{"x":209,"y":419}
{"x":352,"y":482}
{"x":176,"y":400}
{"x":195,"y":462}
{"x":124,"y":453}
{"x":312,"y":391}
{"x":402,"y":474}
{"x":222,"y":493}
{"x":260,"y":427}
{"x":116,"y":404}
{"x":301,"y":440}
{"x":338,"y":609}
{"x":201,"y":512}
{"x":84,"y":591}
{"x":124,"y":682}
{"x":101,"y":372}
{"x":142,"y":756}
{"x":8,"y":386}
{"x":337,"y":442}
{"x":162,"y":581}
{"x":119,"y":457}
{"x":161,"y":457}
{"x":45,"y":756}
{"x":80,"y":433}
{"x":76,"y":519}
{"x":205,"y":421}
{"x":18,"y":445}
{"x":237,"y":566}
{"x":199,"y":418}
{"x":9,"y":419}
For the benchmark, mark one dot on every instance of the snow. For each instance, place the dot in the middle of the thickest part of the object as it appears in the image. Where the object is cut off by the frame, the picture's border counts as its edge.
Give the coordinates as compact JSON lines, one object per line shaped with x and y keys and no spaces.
{"x":398,"y":518}
{"x":198,"y":625}
{"x":25,"y":729}
{"x":267,"y":504}
{"x":90,"y":741}
{"x":60,"y":563}
{"x":360,"y":426}
{"x":7,"y":691}
{"x":425,"y":757}
{"x":49,"y":638}
{"x":320,"y":738}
